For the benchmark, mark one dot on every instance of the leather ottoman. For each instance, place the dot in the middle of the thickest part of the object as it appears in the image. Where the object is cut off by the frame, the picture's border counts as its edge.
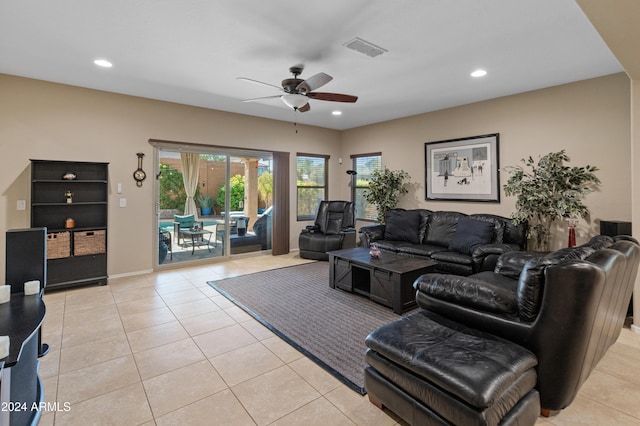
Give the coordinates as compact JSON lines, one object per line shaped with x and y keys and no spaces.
{"x":430,"y":370}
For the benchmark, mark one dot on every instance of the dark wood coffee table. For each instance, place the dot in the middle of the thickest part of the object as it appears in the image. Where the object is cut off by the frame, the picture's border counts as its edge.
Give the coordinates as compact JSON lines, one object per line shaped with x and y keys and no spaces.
{"x":387,"y":280}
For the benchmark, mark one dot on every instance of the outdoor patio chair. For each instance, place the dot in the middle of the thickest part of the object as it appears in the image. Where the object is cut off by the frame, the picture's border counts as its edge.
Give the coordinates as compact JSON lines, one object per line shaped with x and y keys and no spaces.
{"x":184,"y":222}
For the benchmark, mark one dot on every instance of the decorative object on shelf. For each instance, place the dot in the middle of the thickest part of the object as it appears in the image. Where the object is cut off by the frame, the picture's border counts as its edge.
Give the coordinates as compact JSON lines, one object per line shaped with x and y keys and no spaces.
{"x":31,"y":287}
{"x":69,"y":196}
{"x":374,"y":251}
{"x":69,"y":176}
{"x":69,"y":223}
{"x":5,"y":293}
{"x":547,"y":192}
{"x":385,"y":188}
{"x":139,"y":175}
{"x":464,"y":169}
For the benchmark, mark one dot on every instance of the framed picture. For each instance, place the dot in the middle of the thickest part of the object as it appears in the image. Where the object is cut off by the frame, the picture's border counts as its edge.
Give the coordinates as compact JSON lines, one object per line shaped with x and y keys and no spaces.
{"x":464,"y":169}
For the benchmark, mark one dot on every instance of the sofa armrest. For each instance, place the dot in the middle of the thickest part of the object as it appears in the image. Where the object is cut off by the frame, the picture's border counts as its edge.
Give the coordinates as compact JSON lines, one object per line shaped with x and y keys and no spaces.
{"x":371,"y":233}
{"x":349,"y":235}
{"x":485,"y":256}
{"x":481,"y":295}
{"x":511,"y":263}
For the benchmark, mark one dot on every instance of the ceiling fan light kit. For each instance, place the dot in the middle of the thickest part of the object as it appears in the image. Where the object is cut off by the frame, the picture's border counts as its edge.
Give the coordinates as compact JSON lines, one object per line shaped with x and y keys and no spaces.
{"x":294,"y":101}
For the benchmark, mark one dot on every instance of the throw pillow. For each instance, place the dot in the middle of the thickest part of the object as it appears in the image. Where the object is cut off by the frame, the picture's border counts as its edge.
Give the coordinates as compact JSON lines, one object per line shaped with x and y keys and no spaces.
{"x":471,"y":233}
{"x":259,"y":227}
{"x":402,"y":225}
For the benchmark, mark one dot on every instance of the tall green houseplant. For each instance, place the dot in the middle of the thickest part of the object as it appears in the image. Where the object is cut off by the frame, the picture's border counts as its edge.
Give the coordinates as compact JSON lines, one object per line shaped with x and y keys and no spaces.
{"x":548,"y":191}
{"x":385,"y":188}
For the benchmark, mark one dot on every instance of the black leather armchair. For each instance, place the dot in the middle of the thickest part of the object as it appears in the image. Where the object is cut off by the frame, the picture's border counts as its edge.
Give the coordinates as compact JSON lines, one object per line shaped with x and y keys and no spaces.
{"x":567,"y":307}
{"x":564,"y":308}
{"x":333,"y":230}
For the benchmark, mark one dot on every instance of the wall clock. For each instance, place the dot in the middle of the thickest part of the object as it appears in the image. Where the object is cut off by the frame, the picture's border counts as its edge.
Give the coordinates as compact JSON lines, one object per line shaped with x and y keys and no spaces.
{"x":139,"y":175}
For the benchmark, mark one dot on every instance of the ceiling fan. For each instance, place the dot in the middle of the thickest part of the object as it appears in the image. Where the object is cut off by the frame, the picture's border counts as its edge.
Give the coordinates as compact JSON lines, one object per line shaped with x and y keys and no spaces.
{"x":298,"y":92}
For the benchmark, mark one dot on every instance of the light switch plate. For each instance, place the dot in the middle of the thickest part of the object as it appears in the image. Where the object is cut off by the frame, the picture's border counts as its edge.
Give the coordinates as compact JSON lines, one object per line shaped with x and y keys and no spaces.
{"x":123,"y":202}
{"x":21,"y":205}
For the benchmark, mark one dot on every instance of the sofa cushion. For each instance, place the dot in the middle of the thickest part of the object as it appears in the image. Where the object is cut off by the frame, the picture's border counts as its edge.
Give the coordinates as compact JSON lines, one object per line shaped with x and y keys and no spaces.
{"x":442,"y":227}
{"x":402,"y":225}
{"x":471,"y":233}
{"x":420,"y":250}
{"x":452,"y":257}
{"x":260,"y":228}
{"x":498,"y":222}
{"x":424,"y":222}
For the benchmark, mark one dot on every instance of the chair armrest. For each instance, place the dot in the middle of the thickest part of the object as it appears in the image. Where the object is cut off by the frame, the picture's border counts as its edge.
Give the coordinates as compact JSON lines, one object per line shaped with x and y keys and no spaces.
{"x":480,"y":295}
{"x":485,"y":256}
{"x":510,"y":264}
{"x":311,"y":228}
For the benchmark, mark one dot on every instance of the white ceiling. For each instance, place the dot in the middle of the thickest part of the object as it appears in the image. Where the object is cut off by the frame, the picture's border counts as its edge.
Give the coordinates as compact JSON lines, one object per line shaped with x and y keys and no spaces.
{"x":192,"y":51}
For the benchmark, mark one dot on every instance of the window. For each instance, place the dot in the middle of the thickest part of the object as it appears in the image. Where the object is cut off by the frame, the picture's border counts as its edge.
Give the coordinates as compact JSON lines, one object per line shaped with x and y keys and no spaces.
{"x":312,"y":184}
{"x":364,"y":166}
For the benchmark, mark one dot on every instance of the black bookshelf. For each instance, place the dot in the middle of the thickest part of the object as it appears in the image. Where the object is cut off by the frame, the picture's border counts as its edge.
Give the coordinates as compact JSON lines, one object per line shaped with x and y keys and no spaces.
{"x":77,"y":255}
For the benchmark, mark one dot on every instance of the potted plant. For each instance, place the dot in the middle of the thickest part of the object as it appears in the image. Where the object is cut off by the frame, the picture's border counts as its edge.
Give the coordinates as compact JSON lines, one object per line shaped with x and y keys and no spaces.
{"x":548,"y":191}
{"x":206,"y":204}
{"x":385,"y":188}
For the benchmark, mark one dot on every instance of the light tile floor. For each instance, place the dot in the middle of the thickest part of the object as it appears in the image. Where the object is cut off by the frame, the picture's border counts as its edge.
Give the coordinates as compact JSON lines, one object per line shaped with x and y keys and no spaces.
{"x":166,"y":349}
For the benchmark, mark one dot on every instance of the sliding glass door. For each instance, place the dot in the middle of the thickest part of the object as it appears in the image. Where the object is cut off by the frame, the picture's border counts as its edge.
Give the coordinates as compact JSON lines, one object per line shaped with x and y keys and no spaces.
{"x":212,"y":203}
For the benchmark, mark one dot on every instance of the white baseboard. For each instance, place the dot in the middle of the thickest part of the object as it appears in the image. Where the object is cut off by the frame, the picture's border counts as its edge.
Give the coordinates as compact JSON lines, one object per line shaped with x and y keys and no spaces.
{"x":635,"y":328}
{"x":130,"y":274}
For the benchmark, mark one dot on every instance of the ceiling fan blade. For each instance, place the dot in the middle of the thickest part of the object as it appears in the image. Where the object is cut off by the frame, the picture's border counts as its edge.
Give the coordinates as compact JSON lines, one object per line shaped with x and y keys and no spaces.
{"x":314,"y":82}
{"x":334,"y":97}
{"x":304,"y":108}
{"x":262,"y":98}
{"x":250,"y":80}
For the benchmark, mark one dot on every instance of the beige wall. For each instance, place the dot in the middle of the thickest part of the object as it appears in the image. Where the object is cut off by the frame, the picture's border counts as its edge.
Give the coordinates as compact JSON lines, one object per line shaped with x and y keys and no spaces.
{"x":40,"y":120}
{"x":590,"y":119}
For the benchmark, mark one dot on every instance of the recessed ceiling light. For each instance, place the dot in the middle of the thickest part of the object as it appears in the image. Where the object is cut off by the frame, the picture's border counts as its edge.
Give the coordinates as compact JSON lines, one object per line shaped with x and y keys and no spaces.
{"x":478,"y":73}
{"x":103,"y":63}
{"x":336,"y":112}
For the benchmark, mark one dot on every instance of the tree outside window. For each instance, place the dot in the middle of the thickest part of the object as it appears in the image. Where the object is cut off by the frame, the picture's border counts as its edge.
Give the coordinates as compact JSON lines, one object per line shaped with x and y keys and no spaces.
{"x":364,"y":165}
{"x":311,"y":184}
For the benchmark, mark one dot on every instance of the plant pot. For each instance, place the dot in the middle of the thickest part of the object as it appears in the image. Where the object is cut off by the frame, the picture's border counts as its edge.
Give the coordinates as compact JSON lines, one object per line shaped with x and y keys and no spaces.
{"x":206,"y":211}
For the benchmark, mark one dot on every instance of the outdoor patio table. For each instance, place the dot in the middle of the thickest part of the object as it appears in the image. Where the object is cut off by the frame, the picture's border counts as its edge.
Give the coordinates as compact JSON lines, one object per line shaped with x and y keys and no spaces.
{"x":197,"y":237}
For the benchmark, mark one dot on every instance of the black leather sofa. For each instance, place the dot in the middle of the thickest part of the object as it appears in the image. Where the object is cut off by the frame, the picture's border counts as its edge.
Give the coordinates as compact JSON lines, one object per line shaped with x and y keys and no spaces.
{"x":566,"y":307}
{"x":461,"y":244}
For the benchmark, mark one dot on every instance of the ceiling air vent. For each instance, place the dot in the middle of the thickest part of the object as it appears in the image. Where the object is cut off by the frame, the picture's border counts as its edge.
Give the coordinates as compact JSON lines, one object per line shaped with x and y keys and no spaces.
{"x":362,"y":46}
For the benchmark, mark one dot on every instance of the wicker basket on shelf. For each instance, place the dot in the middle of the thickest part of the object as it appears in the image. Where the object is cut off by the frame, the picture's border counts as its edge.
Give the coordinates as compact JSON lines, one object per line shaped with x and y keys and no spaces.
{"x":89,"y":242}
{"x":58,"y":245}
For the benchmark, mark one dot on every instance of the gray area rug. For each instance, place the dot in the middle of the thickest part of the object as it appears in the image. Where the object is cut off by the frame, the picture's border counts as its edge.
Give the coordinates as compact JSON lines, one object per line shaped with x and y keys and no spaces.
{"x":327,"y":325}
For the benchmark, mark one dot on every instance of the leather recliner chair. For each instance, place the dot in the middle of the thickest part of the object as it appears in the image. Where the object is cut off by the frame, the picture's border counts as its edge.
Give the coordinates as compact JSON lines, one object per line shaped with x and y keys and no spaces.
{"x":333,"y":230}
